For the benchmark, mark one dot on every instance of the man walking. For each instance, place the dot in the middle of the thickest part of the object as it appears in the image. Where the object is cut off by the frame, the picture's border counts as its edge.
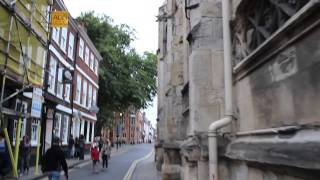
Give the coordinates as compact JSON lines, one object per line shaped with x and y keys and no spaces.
{"x":71,"y":146}
{"x":53,"y":160}
{"x":105,"y":153}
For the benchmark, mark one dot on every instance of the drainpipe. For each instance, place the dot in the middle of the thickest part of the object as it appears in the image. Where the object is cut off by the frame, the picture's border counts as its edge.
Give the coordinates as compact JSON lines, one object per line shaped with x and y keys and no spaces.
{"x":215,"y":126}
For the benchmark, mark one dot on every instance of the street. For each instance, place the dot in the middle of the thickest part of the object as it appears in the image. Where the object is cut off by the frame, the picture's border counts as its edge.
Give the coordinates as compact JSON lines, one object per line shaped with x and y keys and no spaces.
{"x":119,"y":164}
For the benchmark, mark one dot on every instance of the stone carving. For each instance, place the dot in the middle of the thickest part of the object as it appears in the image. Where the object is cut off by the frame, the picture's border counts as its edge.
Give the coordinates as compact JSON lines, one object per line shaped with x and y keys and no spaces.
{"x":257,"y":20}
{"x":285,"y":65}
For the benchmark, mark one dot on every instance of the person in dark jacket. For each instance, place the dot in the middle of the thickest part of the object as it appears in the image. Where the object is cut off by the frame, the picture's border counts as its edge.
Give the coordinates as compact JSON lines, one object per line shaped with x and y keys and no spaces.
{"x":25,"y":151}
{"x":76,"y":147}
{"x":81,"y":147}
{"x":71,"y":147}
{"x":4,"y":157}
{"x":53,"y":160}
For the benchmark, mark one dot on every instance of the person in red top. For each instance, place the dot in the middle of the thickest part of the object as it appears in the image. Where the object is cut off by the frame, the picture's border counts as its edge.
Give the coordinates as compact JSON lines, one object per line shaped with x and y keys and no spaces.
{"x":95,"y":157}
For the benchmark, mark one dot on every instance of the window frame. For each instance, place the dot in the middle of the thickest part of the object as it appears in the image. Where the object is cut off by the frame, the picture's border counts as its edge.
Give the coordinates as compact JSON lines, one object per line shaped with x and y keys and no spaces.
{"x":34,"y":124}
{"x":63,"y":39}
{"x":52,"y":75}
{"x":64,"y":135}
{"x":59,"y":125}
{"x":78,"y":89}
{"x":81,"y":48}
{"x":71,"y":46}
{"x":87,"y":55}
{"x":60,"y":86}
{"x":84,"y":93}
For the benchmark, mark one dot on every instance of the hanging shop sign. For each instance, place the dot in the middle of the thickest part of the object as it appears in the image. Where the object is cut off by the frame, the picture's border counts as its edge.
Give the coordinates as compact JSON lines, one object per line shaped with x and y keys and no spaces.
{"x":36,"y":103}
{"x":60,"y":19}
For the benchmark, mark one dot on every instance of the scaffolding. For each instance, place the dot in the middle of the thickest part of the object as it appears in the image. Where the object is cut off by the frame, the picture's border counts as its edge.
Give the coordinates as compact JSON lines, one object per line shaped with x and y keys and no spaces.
{"x":24,"y":32}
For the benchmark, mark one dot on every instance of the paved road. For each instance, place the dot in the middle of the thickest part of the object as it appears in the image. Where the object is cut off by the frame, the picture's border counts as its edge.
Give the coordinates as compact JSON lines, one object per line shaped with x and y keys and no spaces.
{"x":118,"y":167}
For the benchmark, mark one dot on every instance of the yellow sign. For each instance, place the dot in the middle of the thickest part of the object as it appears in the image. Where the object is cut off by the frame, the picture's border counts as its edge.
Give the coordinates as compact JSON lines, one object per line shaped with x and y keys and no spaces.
{"x":59,"y":18}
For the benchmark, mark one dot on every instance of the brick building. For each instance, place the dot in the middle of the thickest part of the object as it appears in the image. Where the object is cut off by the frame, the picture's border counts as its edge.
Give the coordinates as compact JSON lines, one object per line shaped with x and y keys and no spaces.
{"x":58,"y":91}
{"x":85,"y":87}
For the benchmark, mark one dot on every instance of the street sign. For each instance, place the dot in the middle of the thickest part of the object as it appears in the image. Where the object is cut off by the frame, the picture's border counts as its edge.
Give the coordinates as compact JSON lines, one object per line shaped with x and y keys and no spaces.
{"x":60,"y":19}
{"x":36,"y":103}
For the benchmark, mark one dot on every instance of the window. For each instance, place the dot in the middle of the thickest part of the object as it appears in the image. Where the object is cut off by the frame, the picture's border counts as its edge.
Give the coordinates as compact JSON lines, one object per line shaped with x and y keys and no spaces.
{"x":56,"y":34}
{"x":57,"y":125}
{"x":96,"y":66}
{"x":86,"y":56}
{"x":78,"y":91}
{"x":84,"y":93}
{"x":65,"y":126}
{"x":90,"y":96}
{"x":21,"y":106}
{"x":60,"y":83}
{"x":34,"y":131}
{"x":71,"y":45}
{"x":91,"y":61}
{"x":81,"y":48}
{"x":63,"y":40}
{"x":52,"y":74}
{"x":94,"y":97}
{"x":67,"y":92}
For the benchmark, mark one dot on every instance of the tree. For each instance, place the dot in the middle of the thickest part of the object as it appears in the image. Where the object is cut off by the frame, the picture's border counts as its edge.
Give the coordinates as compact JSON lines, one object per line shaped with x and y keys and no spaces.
{"x":125,"y":78}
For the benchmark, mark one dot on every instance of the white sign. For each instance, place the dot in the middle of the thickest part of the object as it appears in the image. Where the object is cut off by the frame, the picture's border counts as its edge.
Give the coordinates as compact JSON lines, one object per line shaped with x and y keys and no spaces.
{"x":36,"y":103}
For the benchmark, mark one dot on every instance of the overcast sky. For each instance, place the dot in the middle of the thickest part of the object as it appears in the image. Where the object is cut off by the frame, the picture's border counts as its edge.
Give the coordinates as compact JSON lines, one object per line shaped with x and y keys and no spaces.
{"x":138,"y":14}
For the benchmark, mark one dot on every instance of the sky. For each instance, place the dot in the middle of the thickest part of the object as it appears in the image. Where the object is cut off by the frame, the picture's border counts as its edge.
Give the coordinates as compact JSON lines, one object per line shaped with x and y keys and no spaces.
{"x":138,"y":14}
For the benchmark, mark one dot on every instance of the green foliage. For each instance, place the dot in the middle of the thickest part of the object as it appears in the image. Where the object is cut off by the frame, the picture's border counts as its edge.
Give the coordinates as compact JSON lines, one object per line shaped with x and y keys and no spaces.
{"x":125,"y":77}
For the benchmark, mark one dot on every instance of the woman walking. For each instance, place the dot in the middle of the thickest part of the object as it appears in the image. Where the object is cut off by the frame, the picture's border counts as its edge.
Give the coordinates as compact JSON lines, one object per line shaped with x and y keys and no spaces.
{"x":94,"y":158}
{"x":105,"y":153}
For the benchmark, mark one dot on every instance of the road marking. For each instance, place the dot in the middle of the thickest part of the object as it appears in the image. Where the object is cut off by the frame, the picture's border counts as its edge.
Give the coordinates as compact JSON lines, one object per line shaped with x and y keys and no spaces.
{"x":130,"y":171}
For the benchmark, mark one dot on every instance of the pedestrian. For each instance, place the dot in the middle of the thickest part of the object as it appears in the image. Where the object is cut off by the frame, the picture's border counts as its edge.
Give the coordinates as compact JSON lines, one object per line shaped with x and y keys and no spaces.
{"x":81,"y":147}
{"x":53,"y":160}
{"x":70,"y":146}
{"x":105,"y":153}
{"x":94,"y":157}
{"x":100,"y":143}
{"x":76,"y":147}
{"x":25,"y":151}
{"x":4,"y":157}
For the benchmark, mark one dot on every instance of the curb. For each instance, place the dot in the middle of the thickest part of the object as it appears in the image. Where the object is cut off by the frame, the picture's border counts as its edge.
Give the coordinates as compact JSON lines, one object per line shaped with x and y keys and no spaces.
{"x":129,"y":173}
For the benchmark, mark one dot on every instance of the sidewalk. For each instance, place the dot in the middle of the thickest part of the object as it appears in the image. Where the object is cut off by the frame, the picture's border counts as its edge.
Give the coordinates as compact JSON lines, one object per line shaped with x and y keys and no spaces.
{"x":146,"y":170}
{"x":74,"y":162}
